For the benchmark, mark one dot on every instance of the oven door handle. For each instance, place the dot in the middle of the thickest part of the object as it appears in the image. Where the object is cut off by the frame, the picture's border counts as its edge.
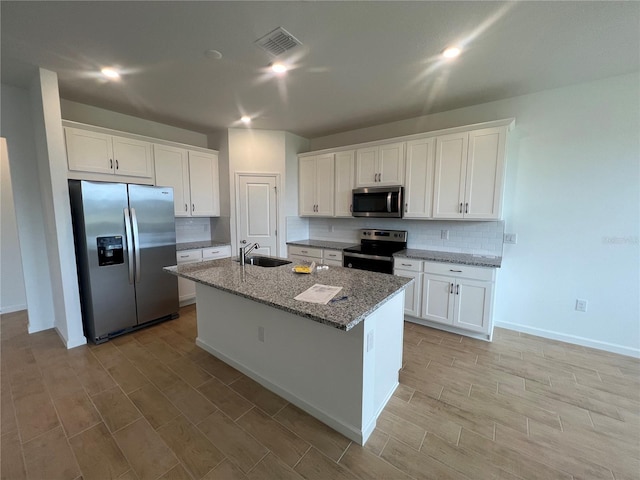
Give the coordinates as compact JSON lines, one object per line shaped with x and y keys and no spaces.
{"x":368,"y":257}
{"x":389,"y":202}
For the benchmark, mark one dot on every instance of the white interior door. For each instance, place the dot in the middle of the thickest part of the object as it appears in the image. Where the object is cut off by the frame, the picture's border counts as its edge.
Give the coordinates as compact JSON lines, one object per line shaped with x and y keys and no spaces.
{"x":257,"y":212}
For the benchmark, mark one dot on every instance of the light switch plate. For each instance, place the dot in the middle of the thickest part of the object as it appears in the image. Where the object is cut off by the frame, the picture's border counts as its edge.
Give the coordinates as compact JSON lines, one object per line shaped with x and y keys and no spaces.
{"x":444,"y":234}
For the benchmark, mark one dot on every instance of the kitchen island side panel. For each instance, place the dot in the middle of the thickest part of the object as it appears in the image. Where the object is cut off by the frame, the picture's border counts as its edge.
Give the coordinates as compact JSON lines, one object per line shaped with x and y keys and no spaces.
{"x":324,"y":371}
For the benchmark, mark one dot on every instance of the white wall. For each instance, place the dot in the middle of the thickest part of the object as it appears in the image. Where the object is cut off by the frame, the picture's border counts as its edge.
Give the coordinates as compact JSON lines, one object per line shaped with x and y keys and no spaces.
{"x":264,"y":151}
{"x":79,"y":112}
{"x":52,"y":170}
{"x":12,"y":293}
{"x":17,"y":127}
{"x":572,"y":196}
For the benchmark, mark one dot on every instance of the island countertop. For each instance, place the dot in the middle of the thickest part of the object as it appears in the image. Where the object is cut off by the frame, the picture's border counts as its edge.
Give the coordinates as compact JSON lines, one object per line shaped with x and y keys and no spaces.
{"x":277,"y":287}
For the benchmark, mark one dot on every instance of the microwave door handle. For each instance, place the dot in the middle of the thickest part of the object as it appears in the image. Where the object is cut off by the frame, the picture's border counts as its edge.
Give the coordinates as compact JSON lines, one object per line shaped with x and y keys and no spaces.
{"x":389,"y":202}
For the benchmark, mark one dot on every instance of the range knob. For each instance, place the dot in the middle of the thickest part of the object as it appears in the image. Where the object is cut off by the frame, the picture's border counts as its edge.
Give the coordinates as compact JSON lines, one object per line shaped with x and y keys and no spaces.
{"x":350,"y":265}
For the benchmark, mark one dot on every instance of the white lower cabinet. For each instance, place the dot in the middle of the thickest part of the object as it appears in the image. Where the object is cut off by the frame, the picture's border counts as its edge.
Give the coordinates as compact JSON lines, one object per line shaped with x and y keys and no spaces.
{"x":324,"y":256}
{"x":187,"y":288}
{"x":459,"y":297}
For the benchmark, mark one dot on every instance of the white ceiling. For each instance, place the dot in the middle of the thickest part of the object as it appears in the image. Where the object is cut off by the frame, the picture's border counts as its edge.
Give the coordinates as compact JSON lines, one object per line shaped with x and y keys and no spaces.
{"x":361,"y":63}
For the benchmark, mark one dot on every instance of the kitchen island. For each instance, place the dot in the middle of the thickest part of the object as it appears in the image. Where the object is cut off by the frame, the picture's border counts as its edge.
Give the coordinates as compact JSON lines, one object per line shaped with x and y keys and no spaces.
{"x":338,"y":362}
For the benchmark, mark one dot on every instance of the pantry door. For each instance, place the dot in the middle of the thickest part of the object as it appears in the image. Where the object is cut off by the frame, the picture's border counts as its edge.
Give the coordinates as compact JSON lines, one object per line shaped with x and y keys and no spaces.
{"x":257,"y":207}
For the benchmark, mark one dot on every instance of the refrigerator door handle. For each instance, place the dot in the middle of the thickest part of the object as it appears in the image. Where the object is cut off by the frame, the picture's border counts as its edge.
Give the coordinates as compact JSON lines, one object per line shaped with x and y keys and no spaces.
{"x":127,"y":231}
{"x":136,"y":242}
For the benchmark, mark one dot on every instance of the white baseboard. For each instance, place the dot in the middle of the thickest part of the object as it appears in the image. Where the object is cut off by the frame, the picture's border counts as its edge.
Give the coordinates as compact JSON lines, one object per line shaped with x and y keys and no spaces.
{"x":563,"y":337}
{"x":13,"y":308}
{"x":349,"y":431}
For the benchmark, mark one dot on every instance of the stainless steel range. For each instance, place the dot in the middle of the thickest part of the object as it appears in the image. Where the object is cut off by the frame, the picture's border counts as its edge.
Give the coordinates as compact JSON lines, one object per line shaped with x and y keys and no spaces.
{"x":376,"y":249}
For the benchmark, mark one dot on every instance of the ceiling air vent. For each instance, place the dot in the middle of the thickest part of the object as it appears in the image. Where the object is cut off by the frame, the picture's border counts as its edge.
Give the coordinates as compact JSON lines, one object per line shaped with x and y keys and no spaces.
{"x":277,"y":42}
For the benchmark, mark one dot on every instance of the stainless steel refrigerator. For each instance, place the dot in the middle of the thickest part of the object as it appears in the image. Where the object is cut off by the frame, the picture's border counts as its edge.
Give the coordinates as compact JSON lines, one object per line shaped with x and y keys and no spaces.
{"x":124,"y":235}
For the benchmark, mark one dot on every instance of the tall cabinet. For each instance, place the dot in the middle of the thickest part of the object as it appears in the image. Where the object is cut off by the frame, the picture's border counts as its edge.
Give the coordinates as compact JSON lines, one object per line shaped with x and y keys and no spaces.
{"x":194,"y":178}
{"x":469,"y":174}
{"x":316,"y":185}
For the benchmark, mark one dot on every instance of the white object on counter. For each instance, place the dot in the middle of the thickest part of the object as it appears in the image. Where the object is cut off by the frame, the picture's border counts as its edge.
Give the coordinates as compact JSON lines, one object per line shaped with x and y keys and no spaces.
{"x":318,"y":294}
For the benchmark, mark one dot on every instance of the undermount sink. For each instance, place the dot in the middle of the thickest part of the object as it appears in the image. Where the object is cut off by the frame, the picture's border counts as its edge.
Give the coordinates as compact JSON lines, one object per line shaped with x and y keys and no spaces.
{"x":266,"y":261}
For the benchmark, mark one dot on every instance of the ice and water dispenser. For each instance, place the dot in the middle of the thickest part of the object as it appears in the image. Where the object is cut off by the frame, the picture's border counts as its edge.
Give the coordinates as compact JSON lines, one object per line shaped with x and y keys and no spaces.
{"x":110,"y":250}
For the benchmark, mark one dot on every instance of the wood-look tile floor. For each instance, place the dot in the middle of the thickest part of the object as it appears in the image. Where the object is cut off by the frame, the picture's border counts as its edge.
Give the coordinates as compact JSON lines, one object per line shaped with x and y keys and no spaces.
{"x":152,"y":405}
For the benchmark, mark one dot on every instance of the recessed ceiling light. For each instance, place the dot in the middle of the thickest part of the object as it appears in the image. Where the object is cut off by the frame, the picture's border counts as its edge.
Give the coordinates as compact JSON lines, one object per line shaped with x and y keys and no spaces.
{"x":110,"y":73}
{"x":245,"y":119}
{"x":278,"y":67}
{"x":214,"y":54}
{"x":451,"y":52}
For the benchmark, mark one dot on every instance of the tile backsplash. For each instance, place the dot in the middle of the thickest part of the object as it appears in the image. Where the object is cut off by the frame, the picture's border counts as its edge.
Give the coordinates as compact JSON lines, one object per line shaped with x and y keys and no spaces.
{"x":482,"y":238}
{"x":193,"y":229}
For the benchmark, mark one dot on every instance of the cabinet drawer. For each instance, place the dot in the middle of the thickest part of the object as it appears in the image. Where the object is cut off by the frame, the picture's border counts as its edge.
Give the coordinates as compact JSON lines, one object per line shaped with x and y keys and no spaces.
{"x":332,"y":255}
{"x":216,"y":252}
{"x":401,"y":263}
{"x":462,"y":271}
{"x":332,"y":263}
{"x":302,"y":259}
{"x":305,"y":251}
{"x":189,"y":256}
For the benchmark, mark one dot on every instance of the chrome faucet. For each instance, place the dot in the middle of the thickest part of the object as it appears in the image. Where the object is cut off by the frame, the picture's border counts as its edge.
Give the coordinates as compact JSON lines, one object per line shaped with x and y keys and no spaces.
{"x":245,"y":250}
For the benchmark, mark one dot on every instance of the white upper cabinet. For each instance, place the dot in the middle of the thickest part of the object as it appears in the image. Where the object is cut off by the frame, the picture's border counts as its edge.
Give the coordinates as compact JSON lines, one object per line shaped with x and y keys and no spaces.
{"x":344,"y":182}
{"x":204,"y":182}
{"x":94,"y":152}
{"x":172,"y":170}
{"x":469,"y":173}
{"x":194,"y":178}
{"x":316,"y":185}
{"x":380,"y":165}
{"x":485,"y":174}
{"x":418,"y":190}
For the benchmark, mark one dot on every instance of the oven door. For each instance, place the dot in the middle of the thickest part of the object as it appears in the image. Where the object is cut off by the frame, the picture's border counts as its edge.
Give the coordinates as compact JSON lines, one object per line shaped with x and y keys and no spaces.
{"x":373,"y":263}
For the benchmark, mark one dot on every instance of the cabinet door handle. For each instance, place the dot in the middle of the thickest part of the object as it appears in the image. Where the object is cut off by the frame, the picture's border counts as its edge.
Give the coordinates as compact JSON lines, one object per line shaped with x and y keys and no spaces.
{"x":117,"y":164}
{"x":111,"y":163}
{"x":466,"y":208}
{"x":458,"y":289}
{"x":351,"y":208}
{"x":193,"y":207}
{"x":186,"y":207}
{"x":460,"y":211}
{"x":451,"y":288}
{"x":456,"y":271}
{"x":406,"y":206}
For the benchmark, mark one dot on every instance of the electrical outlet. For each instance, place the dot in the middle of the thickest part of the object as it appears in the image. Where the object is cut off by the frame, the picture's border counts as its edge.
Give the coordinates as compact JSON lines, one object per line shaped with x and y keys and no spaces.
{"x":370,"y":341}
{"x":261,"y":334}
{"x":511,"y":238}
{"x":444,"y":234}
{"x":581,"y":305}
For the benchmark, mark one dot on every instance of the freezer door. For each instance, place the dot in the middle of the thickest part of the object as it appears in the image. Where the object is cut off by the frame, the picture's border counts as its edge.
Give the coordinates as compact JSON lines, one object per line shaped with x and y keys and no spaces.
{"x":107,"y":295}
{"x":154,"y":232}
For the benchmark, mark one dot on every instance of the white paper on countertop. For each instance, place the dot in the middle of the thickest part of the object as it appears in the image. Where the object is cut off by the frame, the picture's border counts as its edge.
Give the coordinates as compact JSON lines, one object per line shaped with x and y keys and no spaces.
{"x":318,"y":294}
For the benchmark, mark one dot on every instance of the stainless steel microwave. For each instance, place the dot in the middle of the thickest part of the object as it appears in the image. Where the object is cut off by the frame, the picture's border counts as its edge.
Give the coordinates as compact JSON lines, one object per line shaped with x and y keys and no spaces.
{"x":377,"y":202}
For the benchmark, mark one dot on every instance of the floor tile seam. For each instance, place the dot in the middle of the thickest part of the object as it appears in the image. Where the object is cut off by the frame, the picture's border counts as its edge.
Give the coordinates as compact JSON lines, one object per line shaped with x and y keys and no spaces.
{"x":237,"y":425}
{"x":261,"y":459}
{"x":224,"y":457}
{"x":302,"y":456}
{"x":356,"y":476}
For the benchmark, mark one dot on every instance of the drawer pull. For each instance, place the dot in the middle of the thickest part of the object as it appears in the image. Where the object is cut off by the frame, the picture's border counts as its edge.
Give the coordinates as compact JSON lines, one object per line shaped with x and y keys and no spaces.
{"x":332,"y":255}
{"x":216,"y":251}
{"x":456,"y":271}
{"x":405,"y":264}
{"x":184,"y":256}
{"x":303,"y":251}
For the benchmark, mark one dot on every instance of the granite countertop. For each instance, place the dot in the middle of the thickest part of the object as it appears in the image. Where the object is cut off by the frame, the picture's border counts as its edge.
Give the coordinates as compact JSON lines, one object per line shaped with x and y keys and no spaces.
{"x":451,"y":257}
{"x":202,"y":244}
{"x":321,"y":244}
{"x":277,"y":287}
